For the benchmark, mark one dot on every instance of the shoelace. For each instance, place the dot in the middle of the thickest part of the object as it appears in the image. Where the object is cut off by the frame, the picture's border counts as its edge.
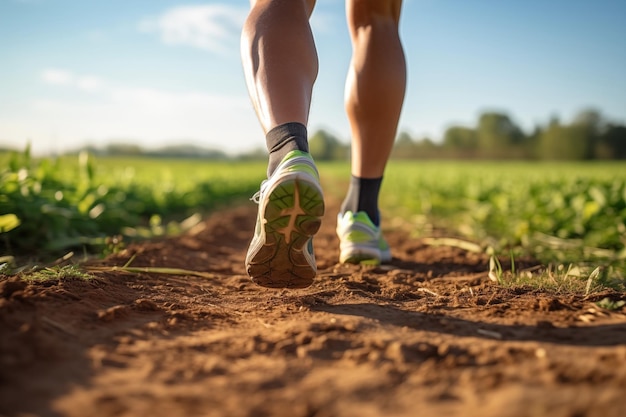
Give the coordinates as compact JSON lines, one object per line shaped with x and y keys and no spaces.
{"x":257,"y":196}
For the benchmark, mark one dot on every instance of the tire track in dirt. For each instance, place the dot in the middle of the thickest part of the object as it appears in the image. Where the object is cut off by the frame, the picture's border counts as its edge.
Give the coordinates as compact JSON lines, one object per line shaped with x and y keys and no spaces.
{"x":428,"y":335}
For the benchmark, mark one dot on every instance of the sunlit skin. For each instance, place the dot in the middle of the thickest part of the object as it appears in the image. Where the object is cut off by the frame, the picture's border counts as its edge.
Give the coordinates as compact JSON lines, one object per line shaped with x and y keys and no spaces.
{"x":280,"y":64}
{"x":279,"y":60}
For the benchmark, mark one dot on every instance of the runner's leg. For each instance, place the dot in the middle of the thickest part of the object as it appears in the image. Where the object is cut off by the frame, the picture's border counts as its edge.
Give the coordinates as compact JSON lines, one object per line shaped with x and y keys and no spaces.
{"x":375,"y":90}
{"x":374,"y":94}
{"x":280,"y":66}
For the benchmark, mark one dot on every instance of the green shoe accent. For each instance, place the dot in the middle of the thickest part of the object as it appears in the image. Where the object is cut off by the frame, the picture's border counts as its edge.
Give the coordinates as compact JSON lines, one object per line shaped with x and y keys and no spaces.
{"x":361,"y":241}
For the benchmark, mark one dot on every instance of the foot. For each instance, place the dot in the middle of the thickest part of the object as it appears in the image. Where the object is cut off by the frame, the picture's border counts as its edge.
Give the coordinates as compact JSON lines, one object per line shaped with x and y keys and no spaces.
{"x":291,"y":205}
{"x":361,"y":241}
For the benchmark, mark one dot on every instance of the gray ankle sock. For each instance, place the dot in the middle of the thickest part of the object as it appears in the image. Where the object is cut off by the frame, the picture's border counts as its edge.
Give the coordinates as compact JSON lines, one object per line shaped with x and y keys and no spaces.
{"x":283,"y":139}
{"x":363,"y":196}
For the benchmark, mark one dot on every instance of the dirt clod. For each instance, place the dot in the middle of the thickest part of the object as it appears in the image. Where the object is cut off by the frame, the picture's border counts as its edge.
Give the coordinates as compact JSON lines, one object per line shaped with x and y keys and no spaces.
{"x":10,"y":286}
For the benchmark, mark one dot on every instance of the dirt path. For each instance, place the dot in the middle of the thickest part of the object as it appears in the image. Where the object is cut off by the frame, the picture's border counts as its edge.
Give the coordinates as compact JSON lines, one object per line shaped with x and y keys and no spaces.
{"x":429,"y":335}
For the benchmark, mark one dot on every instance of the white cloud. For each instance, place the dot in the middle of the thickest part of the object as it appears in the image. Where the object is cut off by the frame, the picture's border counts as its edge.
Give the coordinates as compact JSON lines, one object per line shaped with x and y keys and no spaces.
{"x":89,"y":83}
{"x":212,"y":27}
{"x":57,"y":76}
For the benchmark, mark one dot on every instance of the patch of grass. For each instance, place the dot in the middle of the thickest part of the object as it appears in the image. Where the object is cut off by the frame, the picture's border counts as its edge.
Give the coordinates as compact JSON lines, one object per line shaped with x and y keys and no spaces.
{"x":574,"y":278}
{"x":609,"y":304}
{"x":57,"y":273}
{"x":560,"y":278}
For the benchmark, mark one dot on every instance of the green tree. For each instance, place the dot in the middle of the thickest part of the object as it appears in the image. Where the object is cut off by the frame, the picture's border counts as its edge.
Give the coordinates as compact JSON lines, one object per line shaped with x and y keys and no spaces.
{"x":404,"y":140}
{"x":613,"y":142}
{"x":324,"y":146}
{"x":123,"y":149}
{"x":564,"y":142}
{"x":586,"y":137}
{"x":591,"y":120}
{"x":459,"y":137}
{"x":497,"y":134}
{"x":404,"y":147}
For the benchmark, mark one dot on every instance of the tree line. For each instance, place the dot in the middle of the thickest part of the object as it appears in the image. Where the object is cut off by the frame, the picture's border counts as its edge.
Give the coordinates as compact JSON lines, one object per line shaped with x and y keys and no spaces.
{"x":588,"y":136}
{"x":496,"y":136}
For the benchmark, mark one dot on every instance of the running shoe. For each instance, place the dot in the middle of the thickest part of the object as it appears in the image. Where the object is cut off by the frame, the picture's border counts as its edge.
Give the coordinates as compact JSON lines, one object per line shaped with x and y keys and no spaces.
{"x":360,"y":240}
{"x":291,"y":205}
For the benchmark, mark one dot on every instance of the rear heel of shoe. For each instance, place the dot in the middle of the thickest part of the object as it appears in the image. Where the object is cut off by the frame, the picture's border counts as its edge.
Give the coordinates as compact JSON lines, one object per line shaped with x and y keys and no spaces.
{"x":292,"y":216}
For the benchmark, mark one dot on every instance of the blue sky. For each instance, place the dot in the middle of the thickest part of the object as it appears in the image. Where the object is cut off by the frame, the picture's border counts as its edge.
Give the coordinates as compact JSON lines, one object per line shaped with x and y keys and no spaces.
{"x":156,"y":72}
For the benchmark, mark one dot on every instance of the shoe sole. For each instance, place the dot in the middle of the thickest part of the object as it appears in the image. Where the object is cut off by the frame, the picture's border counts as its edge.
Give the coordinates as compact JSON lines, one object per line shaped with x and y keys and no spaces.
{"x":291,"y":217}
{"x":363,"y":255}
{"x":360,"y":253}
{"x":360,"y":256}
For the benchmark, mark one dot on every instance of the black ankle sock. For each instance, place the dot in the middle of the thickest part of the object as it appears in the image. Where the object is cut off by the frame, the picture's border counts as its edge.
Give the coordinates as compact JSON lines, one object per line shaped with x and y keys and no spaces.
{"x":363,"y":196}
{"x":283,"y":139}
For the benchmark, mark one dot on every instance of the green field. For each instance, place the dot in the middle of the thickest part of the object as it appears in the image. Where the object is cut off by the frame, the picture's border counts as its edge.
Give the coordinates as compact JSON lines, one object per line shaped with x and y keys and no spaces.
{"x":74,"y":202}
{"x":555,"y":212}
{"x":514,"y":201}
